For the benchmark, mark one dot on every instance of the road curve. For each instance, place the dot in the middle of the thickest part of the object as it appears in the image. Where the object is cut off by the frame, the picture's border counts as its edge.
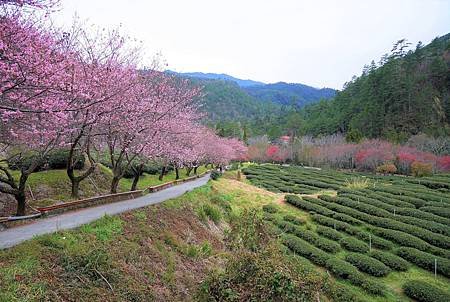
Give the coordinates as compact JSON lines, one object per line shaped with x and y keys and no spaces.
{"x":69,"y":220}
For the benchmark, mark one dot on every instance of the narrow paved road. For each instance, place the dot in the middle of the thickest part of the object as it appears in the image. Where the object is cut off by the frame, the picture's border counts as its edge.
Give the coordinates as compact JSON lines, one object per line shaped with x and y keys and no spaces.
{"x":69,"y":220}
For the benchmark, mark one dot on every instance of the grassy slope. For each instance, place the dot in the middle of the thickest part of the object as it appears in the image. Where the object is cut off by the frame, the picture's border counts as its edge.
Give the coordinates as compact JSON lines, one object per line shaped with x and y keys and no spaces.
{"x":160,"y":252}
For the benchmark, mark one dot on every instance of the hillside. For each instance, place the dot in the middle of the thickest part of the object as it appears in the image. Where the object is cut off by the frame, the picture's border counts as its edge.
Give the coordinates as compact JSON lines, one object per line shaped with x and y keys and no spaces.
{"x":408,"y":92}
{"x":290,"y":93}
{"x":192,"y":248}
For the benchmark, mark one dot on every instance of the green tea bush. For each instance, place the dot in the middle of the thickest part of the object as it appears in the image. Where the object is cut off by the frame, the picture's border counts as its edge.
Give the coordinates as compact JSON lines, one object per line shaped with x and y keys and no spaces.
{"x":294,"y":219}
{"x":354,"y":245}
{"x":310,"y":236}
{"x":368,"y":264}
{"x":423,"y":292}
{"x":440,"y":211}
{"x":347,"y":271}
{"x":270,"y":208}
{"x":306,"y":250}
{"x":394,"y":262}
{"x":336,"y":224}
{"x":329,"y":232}
{"x":215,"y":175}
{"x":376,"y":241}
{"x":425,"y":260}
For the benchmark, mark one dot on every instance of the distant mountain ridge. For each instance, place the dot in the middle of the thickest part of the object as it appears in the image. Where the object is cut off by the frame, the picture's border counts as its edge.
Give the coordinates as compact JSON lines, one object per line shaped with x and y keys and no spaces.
{"x":219,"y":76}
{"x":279,"y":93}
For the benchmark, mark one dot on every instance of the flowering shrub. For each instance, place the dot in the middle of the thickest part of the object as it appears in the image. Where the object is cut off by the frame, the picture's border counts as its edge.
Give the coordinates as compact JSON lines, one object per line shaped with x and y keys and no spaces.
{"x":372,"y":154}
{"x":444,"y":163}
{"x":420,"y":169}
{"x":387,"y":169}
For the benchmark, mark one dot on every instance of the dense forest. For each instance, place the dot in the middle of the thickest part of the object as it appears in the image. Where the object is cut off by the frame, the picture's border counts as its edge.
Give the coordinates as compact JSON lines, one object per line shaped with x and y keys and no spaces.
{"x":406,"y":93}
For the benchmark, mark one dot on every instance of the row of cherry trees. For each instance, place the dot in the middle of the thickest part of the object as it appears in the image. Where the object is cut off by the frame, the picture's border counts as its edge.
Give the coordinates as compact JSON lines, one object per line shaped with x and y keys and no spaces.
{"x":82,"y":90}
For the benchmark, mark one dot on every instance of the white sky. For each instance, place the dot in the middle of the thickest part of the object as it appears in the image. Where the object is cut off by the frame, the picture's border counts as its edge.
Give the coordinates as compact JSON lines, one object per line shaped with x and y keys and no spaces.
{"x":316,"y":42}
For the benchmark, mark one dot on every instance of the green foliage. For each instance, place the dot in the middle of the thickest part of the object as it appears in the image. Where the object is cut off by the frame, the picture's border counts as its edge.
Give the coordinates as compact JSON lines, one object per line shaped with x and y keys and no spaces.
{"x":354,"y":136}
{"x":368,"y":264}
{"x":270,"y":208}
{"x":354,"y":245}
{"x":423,"y":292}
{"x":419,"y":169}
{"x":294,"y":219}
{"x":215,"y":175}
{"x":394,"y":99}
{"x":425,"y":260}
{"x":212,"y":212}
{"x":57,"y":159}
{"x":391,"y":260}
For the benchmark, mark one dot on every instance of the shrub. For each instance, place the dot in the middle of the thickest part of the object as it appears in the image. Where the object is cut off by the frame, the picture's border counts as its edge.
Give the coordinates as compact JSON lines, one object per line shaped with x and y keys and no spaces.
{"x":345,"y":270}
{"x":311,"y":237}
{"x":270,"y":208}
{"x":215,"y":175}
{"x":419,"y":169}
{"x":294,"y":219}
{"x":424,"y":292}
{"x":425,"y":260}
{"x":387,"y":169}
{"x":306,"y":250}
{"x":354,"y":245}
{"x":329,"y":232}
{"x":57,"y":159}
{"x":18,"y":163}
{"x":213,"y":212}
{"x":368,"y":264}
{"x":391,"y":260}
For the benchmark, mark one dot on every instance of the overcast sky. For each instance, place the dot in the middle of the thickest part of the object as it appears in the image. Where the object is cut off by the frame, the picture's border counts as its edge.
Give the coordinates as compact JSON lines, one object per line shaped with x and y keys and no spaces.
{"x":316,"y":42}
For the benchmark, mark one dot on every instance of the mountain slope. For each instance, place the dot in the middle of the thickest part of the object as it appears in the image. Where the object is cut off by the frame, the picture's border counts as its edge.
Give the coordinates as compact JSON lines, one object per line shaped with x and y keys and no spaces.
{"x":221,"y":76}
{"x":290,"y":93}
{"x":407,"y":93}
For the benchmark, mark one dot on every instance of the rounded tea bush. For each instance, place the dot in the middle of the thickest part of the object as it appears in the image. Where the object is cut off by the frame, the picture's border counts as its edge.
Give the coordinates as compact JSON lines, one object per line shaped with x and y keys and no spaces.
{"x":424,"y":292}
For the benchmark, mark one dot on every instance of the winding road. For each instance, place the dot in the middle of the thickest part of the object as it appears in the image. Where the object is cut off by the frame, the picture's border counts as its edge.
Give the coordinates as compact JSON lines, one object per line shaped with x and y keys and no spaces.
{"x":69,"y":220}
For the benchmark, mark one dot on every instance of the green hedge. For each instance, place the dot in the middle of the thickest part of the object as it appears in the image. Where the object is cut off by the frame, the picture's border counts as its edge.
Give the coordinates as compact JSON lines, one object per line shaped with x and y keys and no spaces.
{"x":424,"y":292}
{"x":425,"y":260}
{"x":270,"y":208}
{"x":338,"y":225}
{"x":329,"y":232}
{"x":394,"y":262}
{"x":310,"y":236}
{"x":347,"y":271}
{"x":294,"y":219}
{"x":368,"y":264}
{"x":354,"y":245}
{"x":440,"y":211}
{"x":306,"y":250}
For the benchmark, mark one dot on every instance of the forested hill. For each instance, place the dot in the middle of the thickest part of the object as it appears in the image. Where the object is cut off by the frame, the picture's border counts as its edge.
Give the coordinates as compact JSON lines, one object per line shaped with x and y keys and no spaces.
{"x":277,"y":93}
{"x":290,"y":93}
{"x":407,"y":92}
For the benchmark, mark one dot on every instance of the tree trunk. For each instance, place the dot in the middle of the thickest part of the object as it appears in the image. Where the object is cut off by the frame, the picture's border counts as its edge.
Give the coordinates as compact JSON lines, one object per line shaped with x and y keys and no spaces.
{"x":138,"y":172}
{"x":161,"y":175}
{"x":21,"y":203}
{"x":75,"y":180}
{"x":115,"y":184}
{"x":135,"y":182}
{"x":188,"y":171}
{"x":195,"y":170}
{"x":177,"y":173}
{"x":75,"y":187}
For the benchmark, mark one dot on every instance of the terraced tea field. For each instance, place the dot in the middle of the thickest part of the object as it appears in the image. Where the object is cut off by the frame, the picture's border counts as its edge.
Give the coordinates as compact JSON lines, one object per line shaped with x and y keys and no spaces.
{"x":385,"y":237}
